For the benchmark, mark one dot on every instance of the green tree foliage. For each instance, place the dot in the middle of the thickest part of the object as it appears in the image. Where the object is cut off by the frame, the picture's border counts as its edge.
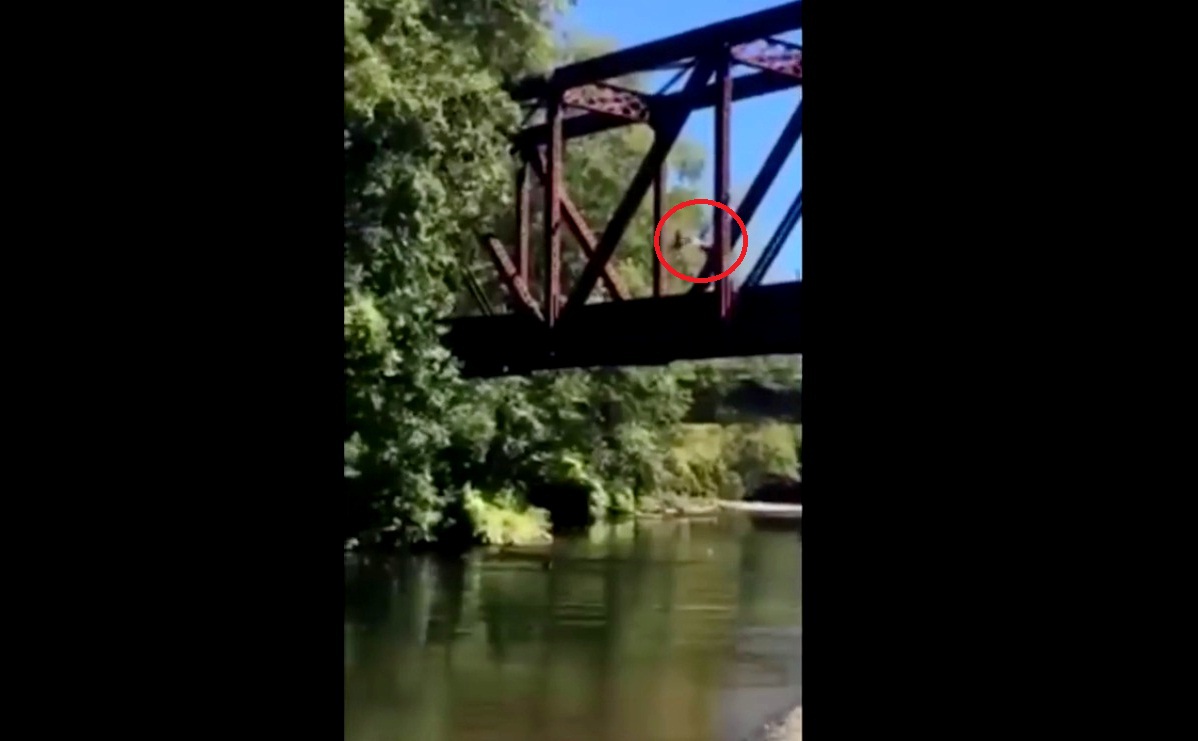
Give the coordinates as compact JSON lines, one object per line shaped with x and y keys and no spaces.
{"x":425,"y":149}
{"x":730,"y":460}
{"x":762,"y":451}
{"x":603,"y":432}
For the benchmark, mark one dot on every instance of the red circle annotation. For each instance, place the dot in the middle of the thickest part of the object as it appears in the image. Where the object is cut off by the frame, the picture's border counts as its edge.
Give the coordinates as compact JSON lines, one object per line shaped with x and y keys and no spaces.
{"x":744,"y":250}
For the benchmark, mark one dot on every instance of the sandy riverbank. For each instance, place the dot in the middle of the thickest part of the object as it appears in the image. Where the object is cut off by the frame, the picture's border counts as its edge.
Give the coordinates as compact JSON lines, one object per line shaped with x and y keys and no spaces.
{"x":763,"y":508}
{"x":651,"y":508}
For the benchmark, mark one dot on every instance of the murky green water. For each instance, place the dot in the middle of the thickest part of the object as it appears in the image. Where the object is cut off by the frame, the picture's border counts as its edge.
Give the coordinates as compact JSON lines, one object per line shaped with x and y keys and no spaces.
{"x":648,"y":632}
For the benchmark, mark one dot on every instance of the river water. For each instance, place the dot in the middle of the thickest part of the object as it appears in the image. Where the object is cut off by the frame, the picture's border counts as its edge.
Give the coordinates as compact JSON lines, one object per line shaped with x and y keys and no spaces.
{"x":667,"y":631}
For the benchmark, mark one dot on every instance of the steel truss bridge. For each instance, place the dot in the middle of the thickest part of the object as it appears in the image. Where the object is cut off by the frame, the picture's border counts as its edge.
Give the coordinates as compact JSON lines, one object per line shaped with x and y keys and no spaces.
{"x":561,"y":328}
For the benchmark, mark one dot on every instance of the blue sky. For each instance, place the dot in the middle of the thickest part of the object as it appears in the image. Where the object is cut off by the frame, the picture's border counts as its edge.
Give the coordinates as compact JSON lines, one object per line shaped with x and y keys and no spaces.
{"x":755,"y":122}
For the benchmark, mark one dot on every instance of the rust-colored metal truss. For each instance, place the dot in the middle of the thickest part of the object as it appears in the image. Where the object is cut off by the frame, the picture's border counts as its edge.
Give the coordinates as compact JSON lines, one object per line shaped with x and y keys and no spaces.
{"x":769,"y":55}
{"x":579,"y":100}
{"x":610,"y":100}
{"x":782,"y":148}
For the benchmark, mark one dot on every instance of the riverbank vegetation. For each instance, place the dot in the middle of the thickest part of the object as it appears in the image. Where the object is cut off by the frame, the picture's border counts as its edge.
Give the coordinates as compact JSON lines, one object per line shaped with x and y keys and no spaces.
{"x":431,"y":458}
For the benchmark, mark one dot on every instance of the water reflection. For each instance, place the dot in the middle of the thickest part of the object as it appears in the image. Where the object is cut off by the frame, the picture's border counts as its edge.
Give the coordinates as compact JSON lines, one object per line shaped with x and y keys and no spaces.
{"x":675,"y":630}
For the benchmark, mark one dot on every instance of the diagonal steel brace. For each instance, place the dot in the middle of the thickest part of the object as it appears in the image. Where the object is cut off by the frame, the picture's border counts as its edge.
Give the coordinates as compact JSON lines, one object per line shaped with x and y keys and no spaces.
{"x":772,"y":248}
{"x":665,"y":135}
{"x":660,"y":107}
{"x":761,"y":184}
{"x":517,"y":289}
{"x":577,"y":225}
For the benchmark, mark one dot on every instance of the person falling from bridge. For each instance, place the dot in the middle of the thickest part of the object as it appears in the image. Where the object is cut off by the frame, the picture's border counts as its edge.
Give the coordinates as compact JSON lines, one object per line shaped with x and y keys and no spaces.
{"x":694,"y":242}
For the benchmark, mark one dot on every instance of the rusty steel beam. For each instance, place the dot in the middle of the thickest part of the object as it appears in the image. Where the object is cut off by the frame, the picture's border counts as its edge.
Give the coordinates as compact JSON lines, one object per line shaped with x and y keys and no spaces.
{"x":659,"y":184}
{"x":517,"y":288}
{"x":479,"y":295}
{"x":577,"y":225}
{"x":523,"y":228}
{"x":784,"y":44}
{"x":761,"y":184}
{"x":723,"y":176}
{"x":694,"y":43}
{"x":766,"y":56}
{"x":609,"y":100}
{"x":553,"y":215}
{"x":647,"y":331}
{"x":747,"y":86}
{"x":665,"y":135}
{"x":683,"y":69}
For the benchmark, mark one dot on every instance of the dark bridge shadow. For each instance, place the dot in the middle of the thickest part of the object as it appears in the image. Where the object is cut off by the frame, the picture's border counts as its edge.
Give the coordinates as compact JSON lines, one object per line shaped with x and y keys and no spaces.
{"x":651,"y":331}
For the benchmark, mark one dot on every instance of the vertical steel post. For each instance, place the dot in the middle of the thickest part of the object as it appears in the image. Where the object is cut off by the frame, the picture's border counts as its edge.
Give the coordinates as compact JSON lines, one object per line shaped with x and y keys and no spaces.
{"x":723,"y":173}
{"x":553,"y":212}
{"x":760,"y":186}
{"x":523,"y":267}
{"x":665,"y":132}
{"x":658,"y":187}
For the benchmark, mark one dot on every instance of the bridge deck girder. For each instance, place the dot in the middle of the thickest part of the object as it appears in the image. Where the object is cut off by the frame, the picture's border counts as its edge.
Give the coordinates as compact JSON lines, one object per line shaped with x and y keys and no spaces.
{"x":638,"y":332}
